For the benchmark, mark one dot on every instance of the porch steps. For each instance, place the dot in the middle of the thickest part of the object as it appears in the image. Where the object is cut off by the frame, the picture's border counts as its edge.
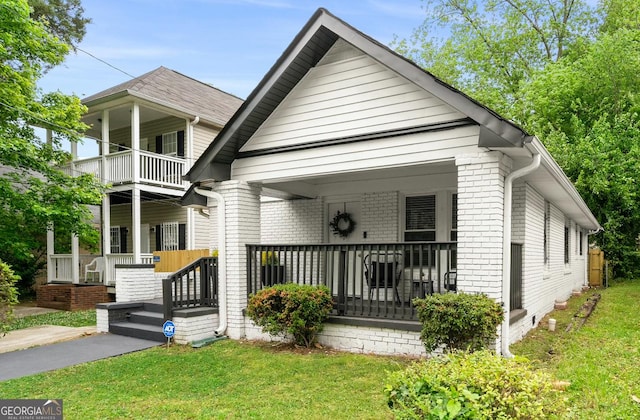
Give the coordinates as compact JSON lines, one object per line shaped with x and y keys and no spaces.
{"x":142,"y":323}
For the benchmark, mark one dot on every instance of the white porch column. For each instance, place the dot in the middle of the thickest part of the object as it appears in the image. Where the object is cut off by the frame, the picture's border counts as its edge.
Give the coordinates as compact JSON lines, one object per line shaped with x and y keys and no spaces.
{"x":75,"y":259}
{"x":50,"y":251}
{"x":135,"y":190}
{"x":242,"y":227}
{"x":106,"y":234}
{"x":480,"y":217}
{"x":106,"y":199}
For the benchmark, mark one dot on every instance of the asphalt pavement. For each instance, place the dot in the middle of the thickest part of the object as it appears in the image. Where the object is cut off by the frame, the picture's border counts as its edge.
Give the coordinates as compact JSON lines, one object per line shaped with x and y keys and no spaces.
{"x":44,"y":348}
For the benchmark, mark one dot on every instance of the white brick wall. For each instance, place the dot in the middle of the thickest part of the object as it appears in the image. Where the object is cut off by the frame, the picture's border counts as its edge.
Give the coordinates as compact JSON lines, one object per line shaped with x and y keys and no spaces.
{"x":480,"y":214}
{"x":195,"y":328}
{"x":357,"y":339}
{"x":292,"y":222}
{"x":242,"y":227}
{"x":136,"y":283}
{"x":545,"y":283}
{"x":102,"y":320}
{"x":380,"y":216}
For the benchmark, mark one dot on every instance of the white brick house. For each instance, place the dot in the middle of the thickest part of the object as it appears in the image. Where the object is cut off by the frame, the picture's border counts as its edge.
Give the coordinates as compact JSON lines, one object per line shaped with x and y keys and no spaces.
{"x":445,"y":186}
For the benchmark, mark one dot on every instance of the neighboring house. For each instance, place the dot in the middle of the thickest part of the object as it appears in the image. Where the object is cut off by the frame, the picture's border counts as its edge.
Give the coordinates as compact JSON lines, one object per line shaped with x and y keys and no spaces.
{"x":150,"y":131}
{"x":445,"y":195}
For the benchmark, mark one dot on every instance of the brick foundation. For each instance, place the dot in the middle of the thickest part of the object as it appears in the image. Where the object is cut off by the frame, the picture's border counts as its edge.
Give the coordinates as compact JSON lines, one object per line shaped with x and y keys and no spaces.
{"x":71,"y":297}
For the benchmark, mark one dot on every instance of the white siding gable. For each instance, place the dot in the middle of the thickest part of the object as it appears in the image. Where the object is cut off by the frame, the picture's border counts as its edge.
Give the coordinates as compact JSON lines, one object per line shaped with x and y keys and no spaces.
{"x":347,"y":94}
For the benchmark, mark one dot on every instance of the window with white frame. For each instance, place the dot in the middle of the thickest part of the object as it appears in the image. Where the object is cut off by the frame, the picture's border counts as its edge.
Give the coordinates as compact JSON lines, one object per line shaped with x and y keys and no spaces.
{"x":567,"y":240}
{"x":170,"y":143}
{"x":547,"y":230}
{"x":420,"y":218}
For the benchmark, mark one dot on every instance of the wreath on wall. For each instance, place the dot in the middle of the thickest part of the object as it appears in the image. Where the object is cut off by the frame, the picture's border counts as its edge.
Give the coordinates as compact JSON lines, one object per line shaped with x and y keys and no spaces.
{"x":342,"y":224}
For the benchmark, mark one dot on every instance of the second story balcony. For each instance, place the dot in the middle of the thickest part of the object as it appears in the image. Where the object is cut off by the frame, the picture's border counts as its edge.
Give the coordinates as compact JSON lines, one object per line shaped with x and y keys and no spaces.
{"x":118,"y":168}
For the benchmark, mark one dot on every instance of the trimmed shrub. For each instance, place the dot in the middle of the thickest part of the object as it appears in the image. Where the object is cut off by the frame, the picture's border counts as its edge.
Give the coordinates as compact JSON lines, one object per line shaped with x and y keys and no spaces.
{"x":480,"y":385}
{"x":459,"y":321}
{"x":8,"y":296}
{"x":299,"y":310}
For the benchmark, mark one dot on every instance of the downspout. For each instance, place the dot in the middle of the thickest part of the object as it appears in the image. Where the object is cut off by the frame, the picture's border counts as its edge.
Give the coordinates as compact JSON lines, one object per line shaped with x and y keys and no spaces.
{"x":506,"y":247}
{"x":222,"y":259}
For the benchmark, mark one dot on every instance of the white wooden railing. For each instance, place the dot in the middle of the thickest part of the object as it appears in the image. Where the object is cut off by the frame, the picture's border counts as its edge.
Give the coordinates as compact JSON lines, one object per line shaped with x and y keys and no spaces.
{"x":161,"y":169}
{"x":61,"y":267}
{"x":119,"y":168}
{"x":154,"y":169}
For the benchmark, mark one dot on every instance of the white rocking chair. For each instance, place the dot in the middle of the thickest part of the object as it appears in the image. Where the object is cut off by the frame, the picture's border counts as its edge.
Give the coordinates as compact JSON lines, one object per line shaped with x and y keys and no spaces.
{"x":94,"y":267}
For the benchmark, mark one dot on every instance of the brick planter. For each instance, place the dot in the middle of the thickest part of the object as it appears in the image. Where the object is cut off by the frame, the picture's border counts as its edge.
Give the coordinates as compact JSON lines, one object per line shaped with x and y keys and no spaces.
{"x":71,"y":297}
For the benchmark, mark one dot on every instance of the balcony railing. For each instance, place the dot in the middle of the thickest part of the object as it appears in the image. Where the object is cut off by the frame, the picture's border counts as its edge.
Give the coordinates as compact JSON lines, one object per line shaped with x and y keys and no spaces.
{"x":154,"y":169}
{"x":366,"y":280}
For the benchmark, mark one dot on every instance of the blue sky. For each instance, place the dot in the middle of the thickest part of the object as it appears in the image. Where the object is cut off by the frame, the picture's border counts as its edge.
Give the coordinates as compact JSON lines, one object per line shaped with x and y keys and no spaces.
{"x":230,"y":44}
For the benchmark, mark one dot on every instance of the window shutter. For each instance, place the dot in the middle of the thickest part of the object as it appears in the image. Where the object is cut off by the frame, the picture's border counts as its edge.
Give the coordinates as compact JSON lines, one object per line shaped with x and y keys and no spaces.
{"x":123,"y":240}
{"x":182,"y":236}
{"x":158,"y":238}
{"x":159,"y":144}
{"x":181,"y":144}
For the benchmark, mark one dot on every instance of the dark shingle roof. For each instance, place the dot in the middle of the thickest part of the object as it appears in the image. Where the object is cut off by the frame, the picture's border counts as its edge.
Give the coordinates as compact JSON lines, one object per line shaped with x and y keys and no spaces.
{"x":175,"y":89}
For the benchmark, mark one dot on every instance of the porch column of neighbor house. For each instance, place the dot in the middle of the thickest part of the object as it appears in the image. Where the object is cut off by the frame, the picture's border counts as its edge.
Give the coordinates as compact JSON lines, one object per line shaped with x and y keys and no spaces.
{"x":50,"y":233}
{"x":242,"y":227}
{"x":75,"y":259}
{"x":50,"y":251}
{"x":135,"y":189}
{"x":106,"y":233}
{"x":106,"y":199}
{"x":480,"y":218}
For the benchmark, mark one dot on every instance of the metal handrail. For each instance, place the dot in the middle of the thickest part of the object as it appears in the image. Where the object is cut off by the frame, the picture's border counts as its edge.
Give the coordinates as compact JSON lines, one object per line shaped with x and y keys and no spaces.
{"x":195,"y":285}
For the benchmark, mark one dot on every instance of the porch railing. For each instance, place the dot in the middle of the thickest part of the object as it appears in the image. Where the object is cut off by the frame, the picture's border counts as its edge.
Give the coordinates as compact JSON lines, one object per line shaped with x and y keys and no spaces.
{"x":61,"y":270}
{"x":366,"y":280}
{"x":154,"y":168}
{"x":195,"y":285}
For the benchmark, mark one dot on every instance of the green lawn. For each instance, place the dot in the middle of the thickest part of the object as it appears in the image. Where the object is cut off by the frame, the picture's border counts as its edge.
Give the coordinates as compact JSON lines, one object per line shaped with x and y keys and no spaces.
{"x":231,"y":379}
{"x":601,"y":360}
{"x":227,"y":379}
{"x":62,"y":318}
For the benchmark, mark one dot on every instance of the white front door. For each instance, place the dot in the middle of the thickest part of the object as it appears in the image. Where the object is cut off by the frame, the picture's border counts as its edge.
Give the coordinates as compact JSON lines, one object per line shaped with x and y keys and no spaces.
{"x":353,"y":258}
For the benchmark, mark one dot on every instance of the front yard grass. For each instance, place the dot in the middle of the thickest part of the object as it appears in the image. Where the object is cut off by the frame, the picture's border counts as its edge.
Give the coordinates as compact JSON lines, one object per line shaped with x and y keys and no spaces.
{"x":228,"y":379}
{"x":62,"y":318}
{"x":600,"y":360}
{"x":232,"y":379}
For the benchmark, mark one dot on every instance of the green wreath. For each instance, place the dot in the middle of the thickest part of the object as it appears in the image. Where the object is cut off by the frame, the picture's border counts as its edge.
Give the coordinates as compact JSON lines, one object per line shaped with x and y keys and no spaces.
{"x":342,"y":224}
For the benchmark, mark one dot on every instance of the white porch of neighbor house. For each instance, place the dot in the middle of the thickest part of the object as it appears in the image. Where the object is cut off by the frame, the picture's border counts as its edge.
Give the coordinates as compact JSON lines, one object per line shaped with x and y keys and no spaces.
{"x":144,"y":150}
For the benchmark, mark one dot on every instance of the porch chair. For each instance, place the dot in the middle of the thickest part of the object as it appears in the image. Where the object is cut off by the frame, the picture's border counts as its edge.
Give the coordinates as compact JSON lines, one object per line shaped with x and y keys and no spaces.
{"x":383,"y":270}
{"x":96,"y":266}
{"x":450,"y":283}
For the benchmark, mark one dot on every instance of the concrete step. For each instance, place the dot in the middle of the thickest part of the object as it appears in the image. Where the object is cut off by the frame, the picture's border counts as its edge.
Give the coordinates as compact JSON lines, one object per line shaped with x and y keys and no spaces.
{"x":134,"y":329}
{"x":153,"y":307}
{"x":146,"y":317}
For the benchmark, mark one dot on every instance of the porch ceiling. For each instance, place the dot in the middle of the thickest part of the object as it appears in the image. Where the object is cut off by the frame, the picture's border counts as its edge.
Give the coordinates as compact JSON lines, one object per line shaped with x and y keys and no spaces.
{"x":120,"y":118}
{"x":429,"y":176}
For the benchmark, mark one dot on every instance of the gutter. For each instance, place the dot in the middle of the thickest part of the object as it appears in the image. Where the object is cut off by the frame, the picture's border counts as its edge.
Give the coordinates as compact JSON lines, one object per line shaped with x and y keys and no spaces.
{"x":222,"y":263}
{"x":506,"y":246}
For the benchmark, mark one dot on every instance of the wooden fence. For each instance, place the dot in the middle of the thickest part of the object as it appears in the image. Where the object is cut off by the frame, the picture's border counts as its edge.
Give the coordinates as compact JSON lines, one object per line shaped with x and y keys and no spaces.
{"x":596,"y":267}
{"x":172,"y":261}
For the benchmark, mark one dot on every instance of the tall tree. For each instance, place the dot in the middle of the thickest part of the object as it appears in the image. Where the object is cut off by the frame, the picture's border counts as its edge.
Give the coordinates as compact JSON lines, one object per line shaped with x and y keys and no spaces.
{"x":489,"y":49}
{"x":34,"y":191}
{"x":587,"y":111}
{"x":568,"y":73}
{"x":62,"y":18}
